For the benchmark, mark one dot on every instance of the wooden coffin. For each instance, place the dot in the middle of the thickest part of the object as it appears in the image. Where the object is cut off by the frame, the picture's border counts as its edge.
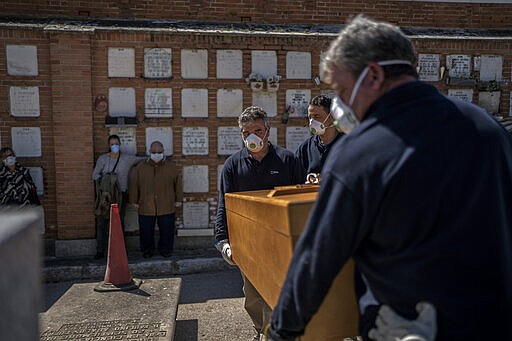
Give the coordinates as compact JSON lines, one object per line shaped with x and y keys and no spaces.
{"x":263,"y":228}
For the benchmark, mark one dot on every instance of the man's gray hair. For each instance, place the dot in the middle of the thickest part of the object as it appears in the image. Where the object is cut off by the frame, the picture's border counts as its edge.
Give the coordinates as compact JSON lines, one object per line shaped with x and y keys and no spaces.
{"x":253,"y":114}
{"x":363,"y":41}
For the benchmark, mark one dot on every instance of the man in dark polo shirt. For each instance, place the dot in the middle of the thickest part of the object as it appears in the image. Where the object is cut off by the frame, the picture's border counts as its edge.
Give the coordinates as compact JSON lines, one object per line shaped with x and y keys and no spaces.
{"x":258,"y":165}
{"x":312,"y":153}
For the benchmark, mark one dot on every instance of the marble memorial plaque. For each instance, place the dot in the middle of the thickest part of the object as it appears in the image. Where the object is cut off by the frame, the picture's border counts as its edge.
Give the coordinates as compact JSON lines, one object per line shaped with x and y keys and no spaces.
{"x":229,"y":102}
{"x":297,"y":102}
{"x":491,"y":68}
{"x":194,"y":64}
{"x":24,"y":101}
{"x":121,"y":102}
{"x":229,"y":140}
{"x":121,"y":62}
{"x":37,"y":175}
{"x":157,"y":63}
{"x":465,"y":95}
{"x":272,"y":138}
{"x":194,"y":102}
{"x":195,"y":179}
{"x":158,"y":102}
{"x":195,"y":141}
{"x":195,"y":215}
{"x":26,"y":141}
{"x":162,"y":134}
{"x":295,"y":136}
{"x":219,"y":175}
{"x":298,"y":65}
{"x":21,"y":60}
{"x":490,"y":101}
{"x":128,"y":139}
{"x":266,"y":100}
{"x":229,"y":64}
{"x":459,"y":66}
{"x":476,"y":63}
{"x":429,"y":67}
{"x":264,"y":63}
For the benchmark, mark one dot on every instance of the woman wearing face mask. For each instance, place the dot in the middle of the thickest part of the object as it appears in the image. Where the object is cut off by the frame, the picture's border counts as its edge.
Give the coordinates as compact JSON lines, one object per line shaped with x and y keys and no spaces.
{"x":16,"y":185}
{"x":311,"y":154}
{"x":112,"y":162}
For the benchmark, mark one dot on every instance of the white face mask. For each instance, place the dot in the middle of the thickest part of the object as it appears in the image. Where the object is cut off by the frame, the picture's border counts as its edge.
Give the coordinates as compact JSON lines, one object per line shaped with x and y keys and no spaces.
{"x":157,"y":157}
{"x":10,"y":160}
{"x":254,"y":143}
{"x":344,"y":117}
{"x":318,"y":128}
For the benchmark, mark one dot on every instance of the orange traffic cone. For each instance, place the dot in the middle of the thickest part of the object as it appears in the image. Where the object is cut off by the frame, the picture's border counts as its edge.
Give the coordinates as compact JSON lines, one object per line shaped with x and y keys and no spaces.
{"x":117,"y":274}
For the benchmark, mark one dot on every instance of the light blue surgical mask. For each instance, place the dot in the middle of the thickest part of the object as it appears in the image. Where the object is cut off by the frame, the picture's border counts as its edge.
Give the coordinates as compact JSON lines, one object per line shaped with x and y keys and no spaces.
{"x":157,"y":157}
{"x":344,"y":117}
{"x":10,"y":160}
{"x":114,"y":148}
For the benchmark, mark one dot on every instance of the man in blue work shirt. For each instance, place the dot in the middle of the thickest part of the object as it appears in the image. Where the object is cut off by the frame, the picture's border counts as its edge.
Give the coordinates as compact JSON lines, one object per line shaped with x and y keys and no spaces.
{"x":312,"y":153}
{"x":258,"y":165}
{"x":418,"y":192}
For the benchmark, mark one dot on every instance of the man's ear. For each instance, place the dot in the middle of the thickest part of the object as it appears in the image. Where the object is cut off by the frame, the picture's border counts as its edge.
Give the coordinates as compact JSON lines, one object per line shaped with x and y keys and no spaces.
{"x":375,"y":76}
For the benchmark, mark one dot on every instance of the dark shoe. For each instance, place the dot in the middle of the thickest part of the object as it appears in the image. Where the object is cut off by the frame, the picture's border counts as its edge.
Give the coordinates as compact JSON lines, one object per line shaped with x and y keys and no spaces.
{"x":166,"y":254}
{"x":99,"y":255}
{"x":147,"y":254}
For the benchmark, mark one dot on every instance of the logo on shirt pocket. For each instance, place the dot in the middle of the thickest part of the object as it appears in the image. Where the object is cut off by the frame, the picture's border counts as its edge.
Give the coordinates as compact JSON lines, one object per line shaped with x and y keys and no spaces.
{"x":272,"y":172}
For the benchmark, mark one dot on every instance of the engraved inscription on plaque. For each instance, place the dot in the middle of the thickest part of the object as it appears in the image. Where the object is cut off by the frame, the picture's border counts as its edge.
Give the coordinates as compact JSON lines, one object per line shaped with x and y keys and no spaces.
{"x":229,"y":140}
{"x":459,"y":66}
{"x":26,"y":141}
{"x":229,"y":64}
{"x":229,"y":102}
{"x":132,"y":329}
{"x":491,"y":68}
{"x":194,"y":102}
{"x":24,"y":101}
{"x":121,"y":62}
{"x":121,"y":102}
{"x":195,"y":215}
{"x":194,"y":64}
{"x":429,"y":67}
{"x":465,"y":95}
{"x":195,"y":141}
{"x":157,"y":63}
{"x":162,"y":134}
{"x":298,"y":65}
{"x":195,"y":179}
{"x":158,"y":102}
{"x":266,"y":100}
{"x":264,"y":63}
{"x":297,"y":102}
{"x":21,"y":60}
{"x":127,"y":137}
{"x":295,"y":136}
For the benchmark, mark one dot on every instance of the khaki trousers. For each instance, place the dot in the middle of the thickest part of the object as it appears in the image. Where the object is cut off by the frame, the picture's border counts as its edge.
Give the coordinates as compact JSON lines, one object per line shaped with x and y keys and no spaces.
{"x":256,"y":306}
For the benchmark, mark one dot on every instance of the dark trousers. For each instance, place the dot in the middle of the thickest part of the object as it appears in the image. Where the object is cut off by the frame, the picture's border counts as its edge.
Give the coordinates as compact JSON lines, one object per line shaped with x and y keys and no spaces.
{"x":147,"y":232}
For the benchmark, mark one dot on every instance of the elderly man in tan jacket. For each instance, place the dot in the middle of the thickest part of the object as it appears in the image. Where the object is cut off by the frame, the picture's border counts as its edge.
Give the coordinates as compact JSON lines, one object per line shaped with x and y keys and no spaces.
{"x":156,"y":188}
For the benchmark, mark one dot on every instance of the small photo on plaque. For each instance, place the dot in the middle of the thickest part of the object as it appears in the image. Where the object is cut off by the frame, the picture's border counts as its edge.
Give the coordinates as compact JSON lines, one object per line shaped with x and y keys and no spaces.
{"x":194,"y":64}
{"x":295,"y":136}
{"x":157,"y":63}
{"x":229,"y":64}
{"x":429,"y":65}
{"x":196,"y":215}
{"x":162,"y":134}
{"x":229,"y":102}
{"x":229,"y":140}
{"x":298,"y":65}
{"x":128,"y":139}
{"x":158,"y":102}
{"x":195,"y":179}
{"x":121,"y":102}
{"x":121,"y":62}
{"x":194,"y":102}
{"x":24,"y":101}
{"x":297,"y":102}
{"x":21,"y":60}
{"x":264,"y":63}
{"x":26,"y":141}
{"x":195,"y":141}
{"x":266,"y":100}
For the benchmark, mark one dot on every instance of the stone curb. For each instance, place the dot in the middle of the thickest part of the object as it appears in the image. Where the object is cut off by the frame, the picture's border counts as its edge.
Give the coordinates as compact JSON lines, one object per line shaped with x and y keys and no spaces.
{"x":140,"y":269}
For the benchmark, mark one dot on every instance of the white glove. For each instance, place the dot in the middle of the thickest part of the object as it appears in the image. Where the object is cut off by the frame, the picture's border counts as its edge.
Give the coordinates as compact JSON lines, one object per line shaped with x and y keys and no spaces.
{"x":393,"y":327}
{"x":225,"y":250}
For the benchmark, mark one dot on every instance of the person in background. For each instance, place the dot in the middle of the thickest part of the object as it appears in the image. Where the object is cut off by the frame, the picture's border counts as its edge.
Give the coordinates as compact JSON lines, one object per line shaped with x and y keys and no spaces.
{"x":16,"y":185}
{"x":312,"y":153}
{"x":258,"y":165}
{"x":156,"y":189}
{"x":418,"y":193}
{"x":110,"y":167}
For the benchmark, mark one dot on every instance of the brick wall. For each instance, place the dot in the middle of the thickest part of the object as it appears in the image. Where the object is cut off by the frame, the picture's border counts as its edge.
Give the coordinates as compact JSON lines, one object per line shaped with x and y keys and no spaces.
{"x":415,"y":13}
